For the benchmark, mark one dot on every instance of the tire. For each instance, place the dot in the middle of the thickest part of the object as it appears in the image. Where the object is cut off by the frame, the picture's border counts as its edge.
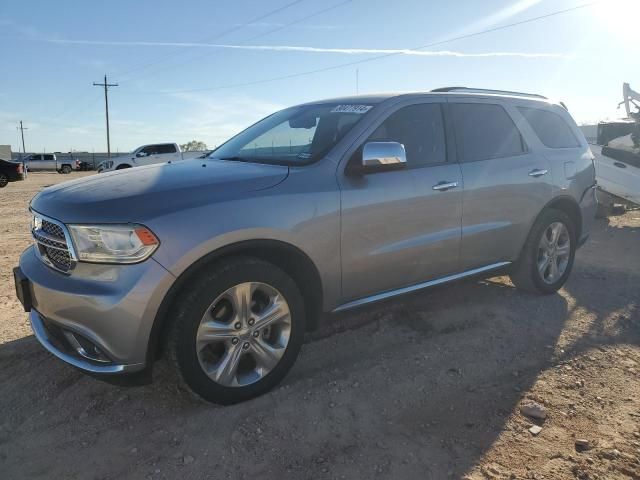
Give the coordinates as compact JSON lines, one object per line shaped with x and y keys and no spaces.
{"x":261,"y":359}
{"x":530,"y":273}
{"x":66,"y":169}
{"x":4,"y":180}
{"x":123,"y":166}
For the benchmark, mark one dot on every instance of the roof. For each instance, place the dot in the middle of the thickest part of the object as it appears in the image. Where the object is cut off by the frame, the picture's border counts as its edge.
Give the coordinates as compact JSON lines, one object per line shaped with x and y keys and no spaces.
{"x":374,"y":99}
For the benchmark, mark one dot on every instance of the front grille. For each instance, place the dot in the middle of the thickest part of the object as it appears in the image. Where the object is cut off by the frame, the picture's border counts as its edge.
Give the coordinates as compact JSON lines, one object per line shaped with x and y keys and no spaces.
{"x":52,"y":229}
{"x":52,"y":244}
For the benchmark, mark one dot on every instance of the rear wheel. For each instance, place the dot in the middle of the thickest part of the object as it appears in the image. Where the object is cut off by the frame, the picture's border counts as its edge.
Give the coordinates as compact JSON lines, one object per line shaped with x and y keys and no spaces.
{"x":238,"y":330}
{"x":4,"y":180}
{"x":548,"y":254}
{"x":66,"y":169}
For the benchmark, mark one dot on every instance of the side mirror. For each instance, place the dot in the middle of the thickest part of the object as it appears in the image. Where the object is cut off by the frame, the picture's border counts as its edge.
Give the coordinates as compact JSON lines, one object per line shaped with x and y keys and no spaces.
{"x":380,"y":156}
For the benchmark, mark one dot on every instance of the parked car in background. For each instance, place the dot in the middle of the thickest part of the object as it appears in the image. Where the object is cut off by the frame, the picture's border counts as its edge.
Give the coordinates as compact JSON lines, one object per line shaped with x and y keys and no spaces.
{"x":147,"y":155}
{"x":10,"y":172}
{"x":222,"y":264}
{"x":40,"y":162}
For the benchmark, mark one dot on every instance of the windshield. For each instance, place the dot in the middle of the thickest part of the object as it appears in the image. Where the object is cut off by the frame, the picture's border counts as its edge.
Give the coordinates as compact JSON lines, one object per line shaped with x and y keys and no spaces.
{"x":294,"y":136}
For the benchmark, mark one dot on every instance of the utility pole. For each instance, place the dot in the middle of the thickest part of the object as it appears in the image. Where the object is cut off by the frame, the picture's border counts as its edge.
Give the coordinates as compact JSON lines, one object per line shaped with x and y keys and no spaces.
{"x":106,"y":108}
{"x":22,"y":129}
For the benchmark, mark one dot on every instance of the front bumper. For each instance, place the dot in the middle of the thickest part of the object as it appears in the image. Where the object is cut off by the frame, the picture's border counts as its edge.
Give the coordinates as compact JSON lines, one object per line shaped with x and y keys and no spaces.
{"x":108,"y":308}
{"x":71,"y":355}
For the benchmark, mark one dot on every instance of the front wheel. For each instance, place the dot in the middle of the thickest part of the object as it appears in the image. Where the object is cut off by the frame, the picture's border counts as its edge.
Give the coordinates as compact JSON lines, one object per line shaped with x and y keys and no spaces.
{"x":548,"y":254}
{"x":237,"y":331}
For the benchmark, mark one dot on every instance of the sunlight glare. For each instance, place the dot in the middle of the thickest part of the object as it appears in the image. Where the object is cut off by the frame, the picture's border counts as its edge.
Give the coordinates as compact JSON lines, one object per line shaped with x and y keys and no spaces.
{"x":619,"y":17}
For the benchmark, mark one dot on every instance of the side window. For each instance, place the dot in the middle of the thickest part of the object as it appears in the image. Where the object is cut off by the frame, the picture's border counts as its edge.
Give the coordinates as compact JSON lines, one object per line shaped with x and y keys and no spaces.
{"x":48,"y":157}
{"x":420,"y":128}
{"x":149,"y":150}
{"x":485,"y":131}
{"x":166,"y":148}
{"x":550,"y":128}
{"x":34,"y":158}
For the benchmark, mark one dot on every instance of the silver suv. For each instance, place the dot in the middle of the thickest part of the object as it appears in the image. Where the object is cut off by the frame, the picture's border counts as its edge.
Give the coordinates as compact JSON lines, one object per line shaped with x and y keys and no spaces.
{"x":223,"y":263}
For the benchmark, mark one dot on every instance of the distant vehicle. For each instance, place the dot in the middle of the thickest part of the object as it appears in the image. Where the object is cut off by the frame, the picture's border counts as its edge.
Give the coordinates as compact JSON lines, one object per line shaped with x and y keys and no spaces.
{"x":617,"y":157}
{"x":10,"y":172}
{"x":147,"y":155}
{"x":223,"y":263}
{"x":85,"y":166}
{"x":40,"y":162}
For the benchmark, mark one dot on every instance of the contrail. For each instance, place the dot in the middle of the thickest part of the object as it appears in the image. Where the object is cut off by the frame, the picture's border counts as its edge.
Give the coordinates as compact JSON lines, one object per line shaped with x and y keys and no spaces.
{"x":294,"y":48}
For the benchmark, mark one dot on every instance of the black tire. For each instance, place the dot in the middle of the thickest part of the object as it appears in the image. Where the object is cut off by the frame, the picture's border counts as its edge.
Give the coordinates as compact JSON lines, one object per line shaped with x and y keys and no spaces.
{"x":66,"y":169}
{"x":123,"y":166}
{"x":4,"y":180}
{"x":525,"y":275}
{"x":190,"y":308}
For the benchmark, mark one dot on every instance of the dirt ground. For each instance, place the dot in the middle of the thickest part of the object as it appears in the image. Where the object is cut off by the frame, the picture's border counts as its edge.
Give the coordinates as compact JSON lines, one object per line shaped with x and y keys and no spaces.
{"x":428,"y":387}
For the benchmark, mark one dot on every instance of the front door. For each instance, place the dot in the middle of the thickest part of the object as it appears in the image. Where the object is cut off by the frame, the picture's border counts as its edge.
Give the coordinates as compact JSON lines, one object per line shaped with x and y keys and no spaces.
{"x":397,"y":230}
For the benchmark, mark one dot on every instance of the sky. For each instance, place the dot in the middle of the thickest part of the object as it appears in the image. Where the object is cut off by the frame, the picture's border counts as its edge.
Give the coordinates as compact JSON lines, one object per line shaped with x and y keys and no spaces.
{"x":204,"y":70}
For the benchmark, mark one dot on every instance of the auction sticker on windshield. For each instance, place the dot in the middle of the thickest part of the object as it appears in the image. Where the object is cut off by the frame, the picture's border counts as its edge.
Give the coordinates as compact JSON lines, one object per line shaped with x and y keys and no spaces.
{"x":360,"y":109}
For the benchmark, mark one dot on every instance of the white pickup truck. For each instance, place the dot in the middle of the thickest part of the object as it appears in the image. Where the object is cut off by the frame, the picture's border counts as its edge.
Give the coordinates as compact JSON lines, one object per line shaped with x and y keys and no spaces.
{"x":617,"y":162}
{"x":40,"y":162}
{"x":147,"y":155}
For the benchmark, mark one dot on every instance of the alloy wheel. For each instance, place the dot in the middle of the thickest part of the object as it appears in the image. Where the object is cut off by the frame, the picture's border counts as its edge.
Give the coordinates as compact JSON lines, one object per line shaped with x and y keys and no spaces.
{"x":243,"y":334}
{"x":554,"y":252}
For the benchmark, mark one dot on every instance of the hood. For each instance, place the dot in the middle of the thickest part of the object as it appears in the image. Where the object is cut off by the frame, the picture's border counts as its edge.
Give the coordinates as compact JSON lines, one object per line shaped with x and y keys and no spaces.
{"x":141,"y":193}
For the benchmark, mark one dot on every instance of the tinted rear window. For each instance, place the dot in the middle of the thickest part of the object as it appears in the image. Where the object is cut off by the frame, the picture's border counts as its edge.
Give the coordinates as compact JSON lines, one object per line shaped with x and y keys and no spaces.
{"x":550,"y":128}
{"x":485,"y":131}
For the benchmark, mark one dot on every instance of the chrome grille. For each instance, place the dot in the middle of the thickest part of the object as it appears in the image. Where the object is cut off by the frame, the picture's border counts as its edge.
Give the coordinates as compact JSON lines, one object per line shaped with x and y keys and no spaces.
{"x":52,"y":243}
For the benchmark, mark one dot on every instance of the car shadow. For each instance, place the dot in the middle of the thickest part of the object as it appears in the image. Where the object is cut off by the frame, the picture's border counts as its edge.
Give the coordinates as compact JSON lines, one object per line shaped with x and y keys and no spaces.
{"x":421,"y":387}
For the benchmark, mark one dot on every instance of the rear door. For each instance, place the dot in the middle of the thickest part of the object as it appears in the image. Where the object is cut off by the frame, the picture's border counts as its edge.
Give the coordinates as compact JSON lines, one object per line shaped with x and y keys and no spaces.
{"x":397,"y":230}
{"x":506,"y":183}
{"x":49,"y":162}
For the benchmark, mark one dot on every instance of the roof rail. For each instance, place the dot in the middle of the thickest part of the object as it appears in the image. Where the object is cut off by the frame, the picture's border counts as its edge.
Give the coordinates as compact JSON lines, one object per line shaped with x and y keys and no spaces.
{"x":486,"y":90}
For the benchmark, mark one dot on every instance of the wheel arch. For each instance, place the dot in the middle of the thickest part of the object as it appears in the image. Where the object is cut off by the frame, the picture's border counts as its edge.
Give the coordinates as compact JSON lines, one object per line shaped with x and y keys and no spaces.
{"x":122,"y":166}
{"x":569,"y":206}
{"x":289,"y":258}
{"x":565,"y":204}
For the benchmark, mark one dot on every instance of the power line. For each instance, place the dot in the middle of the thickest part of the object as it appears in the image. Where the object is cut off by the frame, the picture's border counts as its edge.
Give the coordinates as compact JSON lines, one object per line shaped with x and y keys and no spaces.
{"x":106,"y":86}
{"x":211,"y":38}
{"x":379,"y":57}
{"x":260,"y":35}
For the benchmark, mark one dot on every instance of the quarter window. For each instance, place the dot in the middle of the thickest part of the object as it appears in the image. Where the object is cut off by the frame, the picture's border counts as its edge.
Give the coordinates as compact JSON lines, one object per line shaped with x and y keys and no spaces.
{"x":420,"y":129}
{"x":485,"y":131}
{"x":550,"y":128}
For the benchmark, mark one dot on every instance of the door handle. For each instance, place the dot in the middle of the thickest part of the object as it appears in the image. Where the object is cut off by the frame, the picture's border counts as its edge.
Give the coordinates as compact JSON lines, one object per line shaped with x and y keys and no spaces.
{"x":444,"y":186}
{"x":619,"y":164}
{"x":537,"y":172}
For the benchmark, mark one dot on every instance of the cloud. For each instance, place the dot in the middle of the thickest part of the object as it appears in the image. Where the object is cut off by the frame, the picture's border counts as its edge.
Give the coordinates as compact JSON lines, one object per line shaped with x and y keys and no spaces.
{"x":295,"y":48}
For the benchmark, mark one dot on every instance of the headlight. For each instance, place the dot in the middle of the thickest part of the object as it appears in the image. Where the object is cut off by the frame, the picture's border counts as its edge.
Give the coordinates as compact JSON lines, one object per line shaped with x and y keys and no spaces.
{"x":113,"y":243}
